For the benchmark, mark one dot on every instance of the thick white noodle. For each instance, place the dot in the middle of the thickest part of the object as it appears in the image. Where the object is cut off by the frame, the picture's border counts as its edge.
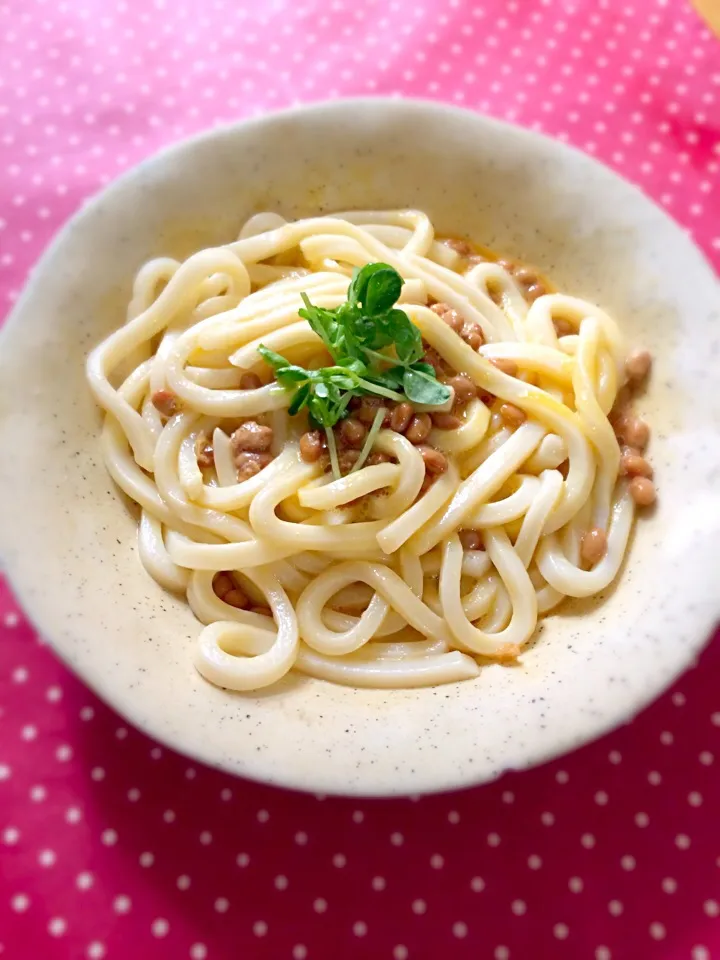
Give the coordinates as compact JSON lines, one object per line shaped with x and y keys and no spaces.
{"x":365,"y":577}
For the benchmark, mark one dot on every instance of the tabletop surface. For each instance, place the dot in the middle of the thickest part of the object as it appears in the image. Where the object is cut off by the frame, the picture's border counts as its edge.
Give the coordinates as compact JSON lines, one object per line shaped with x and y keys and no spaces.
{"x":112,"y":846}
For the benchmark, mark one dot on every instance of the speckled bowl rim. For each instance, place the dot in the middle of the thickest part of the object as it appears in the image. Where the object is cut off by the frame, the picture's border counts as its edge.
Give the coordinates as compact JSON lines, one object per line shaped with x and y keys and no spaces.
{"x":104,"y":688}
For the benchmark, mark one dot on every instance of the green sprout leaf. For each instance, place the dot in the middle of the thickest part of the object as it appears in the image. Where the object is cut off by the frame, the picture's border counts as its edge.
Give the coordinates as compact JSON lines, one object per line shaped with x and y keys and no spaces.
{"x":423,"y":387}
{"x":375,"y":347}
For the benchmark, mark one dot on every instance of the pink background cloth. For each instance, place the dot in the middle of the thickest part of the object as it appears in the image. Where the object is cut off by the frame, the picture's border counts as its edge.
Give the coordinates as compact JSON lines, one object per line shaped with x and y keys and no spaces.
{"x":114,"y":847}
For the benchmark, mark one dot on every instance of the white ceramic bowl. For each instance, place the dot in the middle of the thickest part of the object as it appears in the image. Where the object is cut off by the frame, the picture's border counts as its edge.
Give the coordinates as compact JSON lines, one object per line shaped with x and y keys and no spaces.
{"x":68,"y":540}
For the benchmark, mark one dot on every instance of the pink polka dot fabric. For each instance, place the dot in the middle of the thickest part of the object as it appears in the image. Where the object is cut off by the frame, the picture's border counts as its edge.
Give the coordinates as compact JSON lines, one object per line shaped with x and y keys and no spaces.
{"x":115,"y":847}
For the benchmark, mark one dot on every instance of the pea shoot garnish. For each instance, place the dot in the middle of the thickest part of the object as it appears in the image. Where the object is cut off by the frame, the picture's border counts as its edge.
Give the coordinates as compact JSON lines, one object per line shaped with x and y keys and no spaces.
{"x":375,"y":347}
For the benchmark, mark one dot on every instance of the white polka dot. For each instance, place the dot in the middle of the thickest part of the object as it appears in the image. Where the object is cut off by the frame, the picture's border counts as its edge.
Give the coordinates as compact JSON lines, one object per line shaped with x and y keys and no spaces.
{"x":160,"y":927}
{"x":19,"y":674}
{"x":358,"y":816}
{"x":477,"y":884}
{"x":712,"y":908}
{"x":73,"y":815}
{"x":501,"y":953}
{"x":169,"y":816}
{"x":226,"y":794}
{"x":534,"y":861}
{"x":400,"y":952}
{"x":654,"y":778}
{"x":657,"y":931}
{"x":95,"y":950}
{"x":360,"y":928}
{"x":575,"y":885}
{"x":156,"y":753}
{"x":453,"y":816}
{"x":562,"y":776}
{"x":28,"y":732}
{"x":706,"y":758}
{"x":10,"y":835}
{"x":47,"y":858}
{"x":666,"y":738}
{"x":242,"y":859}
{"x":669,"y":885}
{"x":561,"y":931}
{"x":547,"y":818}
{"x":418,"y":906}
{"x":109,"y":837}
{"x":57,"y":926}
{"x":97,"y":773}
{"x":20,"y":902}
{"x":122,"y":904}
{"x":84,"y":880}
{"x":695,"y":799}
{"x":587,"y":840}
{"x":339,"y":860}
{"x":508,"y":796}
{"x":699,"y":952}
{"x":5,"y":771}
{"x":378,"y":883}
{"x":121,"y":733}
{"x":615,"y":908}
{"x":460,"y":929}
{"x":601,"y":798}
{"x":397,"y":839}
{"x":627,"y":862}
{"x":682,"y":841}
{"x":299,"y":951}
{"x":53,"y":694}
{"x":602,"y":953}
{"x":263,"y":816}
{"x":11,"y":619}
{"x":320,"y":905}
{"x":147,"y":859}
{"x":518,"y":907}
{"x":133,"y":794}
{"x":205,"y":838}
{"x":260,"y":928}
{"x":493,"y":839}
{"x":87,"y":713}
{"x":437,"y":861}
{"x":222,"y":904}
{"x":642,"y":819}
{"x":301,"y":838}
{"x":183,"y":882}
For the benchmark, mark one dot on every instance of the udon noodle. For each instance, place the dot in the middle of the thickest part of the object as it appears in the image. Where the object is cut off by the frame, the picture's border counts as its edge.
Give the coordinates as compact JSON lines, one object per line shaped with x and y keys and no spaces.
{"x":443,"y":534}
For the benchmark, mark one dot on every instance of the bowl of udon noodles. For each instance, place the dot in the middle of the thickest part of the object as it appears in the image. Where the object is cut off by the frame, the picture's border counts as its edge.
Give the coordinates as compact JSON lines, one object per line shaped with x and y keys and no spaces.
{"x":368,"y":448}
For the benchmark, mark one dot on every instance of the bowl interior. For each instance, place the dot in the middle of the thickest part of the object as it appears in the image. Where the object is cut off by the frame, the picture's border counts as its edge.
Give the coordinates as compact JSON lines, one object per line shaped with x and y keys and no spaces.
{"x":68,"y":540}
